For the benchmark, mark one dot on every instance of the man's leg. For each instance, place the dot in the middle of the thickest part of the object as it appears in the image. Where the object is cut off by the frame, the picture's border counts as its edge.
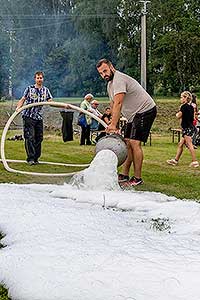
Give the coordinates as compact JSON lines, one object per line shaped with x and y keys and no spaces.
{"x":87,"y":135}
{"x":137,"y":157}
{"x":137,"y":131}
{"x":29,"y":134}
{"x":82,"y":140}
{"x":38,"y":139}
{"x":127,"y":164}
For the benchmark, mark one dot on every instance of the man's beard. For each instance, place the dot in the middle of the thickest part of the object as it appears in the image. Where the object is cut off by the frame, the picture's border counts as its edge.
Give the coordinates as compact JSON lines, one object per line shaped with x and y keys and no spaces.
{"x":109,"y":78}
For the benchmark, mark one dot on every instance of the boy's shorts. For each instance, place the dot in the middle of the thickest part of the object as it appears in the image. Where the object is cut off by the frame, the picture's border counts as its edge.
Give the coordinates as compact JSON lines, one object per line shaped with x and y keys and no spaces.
{"x":140,"y":127}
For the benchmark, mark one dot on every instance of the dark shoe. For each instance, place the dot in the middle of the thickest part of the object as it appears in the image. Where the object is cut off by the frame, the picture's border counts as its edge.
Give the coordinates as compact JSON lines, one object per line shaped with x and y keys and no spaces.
{"x":36,"y":162}
{"x":88,"y":143}
{"x":30,"y":162}
{"x":123,"y":178}
{"x":133,"y":182}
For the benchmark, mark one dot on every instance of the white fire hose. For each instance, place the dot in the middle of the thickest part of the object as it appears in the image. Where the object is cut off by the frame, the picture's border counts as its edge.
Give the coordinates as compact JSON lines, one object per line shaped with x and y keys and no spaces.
{"x":55,"y":104}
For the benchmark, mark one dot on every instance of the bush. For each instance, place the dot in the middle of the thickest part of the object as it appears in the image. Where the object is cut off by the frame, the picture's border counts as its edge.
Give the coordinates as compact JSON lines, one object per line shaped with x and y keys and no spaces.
{"x":7,"y":98}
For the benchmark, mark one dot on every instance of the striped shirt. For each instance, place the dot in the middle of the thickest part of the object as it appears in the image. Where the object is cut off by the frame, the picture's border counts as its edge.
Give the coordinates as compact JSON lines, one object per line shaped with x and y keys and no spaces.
{"x":34,"y":95}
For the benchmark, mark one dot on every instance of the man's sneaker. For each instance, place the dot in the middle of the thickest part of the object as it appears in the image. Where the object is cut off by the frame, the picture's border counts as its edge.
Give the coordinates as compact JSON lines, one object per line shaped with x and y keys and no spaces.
{"x":36,"y":162}
{"x":30,"y":162}
{"x":194,"y":164}
{"x":122,"y":178}
{"x":172,"y":162}
{"x":133,"y":182}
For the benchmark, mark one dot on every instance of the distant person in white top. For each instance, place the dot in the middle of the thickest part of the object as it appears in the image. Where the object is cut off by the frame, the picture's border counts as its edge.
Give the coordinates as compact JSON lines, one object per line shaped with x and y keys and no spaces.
{"x":94,"y":108}
{"x":131,"y":100}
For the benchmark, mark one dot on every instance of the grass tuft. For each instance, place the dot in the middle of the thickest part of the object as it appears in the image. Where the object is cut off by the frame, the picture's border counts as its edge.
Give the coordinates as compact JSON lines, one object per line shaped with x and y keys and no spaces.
{"x":4,"y":293}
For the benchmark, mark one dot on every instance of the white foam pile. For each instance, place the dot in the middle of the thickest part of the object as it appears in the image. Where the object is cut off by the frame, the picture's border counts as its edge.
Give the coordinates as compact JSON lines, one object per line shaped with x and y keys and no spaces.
{"x":100,"y":175}
{"x":65,"y":243}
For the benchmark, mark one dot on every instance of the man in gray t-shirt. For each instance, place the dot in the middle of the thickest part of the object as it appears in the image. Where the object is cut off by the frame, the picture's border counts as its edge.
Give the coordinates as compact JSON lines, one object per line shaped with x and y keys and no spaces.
{"x":131,"y":100}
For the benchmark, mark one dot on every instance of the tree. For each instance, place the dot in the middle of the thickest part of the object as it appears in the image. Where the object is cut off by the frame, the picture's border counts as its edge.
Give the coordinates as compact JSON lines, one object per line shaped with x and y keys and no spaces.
{"x":65,"y":38}
{"x":73,"y":67}
{"x":36,"y":33}
{"x":175,"y":35}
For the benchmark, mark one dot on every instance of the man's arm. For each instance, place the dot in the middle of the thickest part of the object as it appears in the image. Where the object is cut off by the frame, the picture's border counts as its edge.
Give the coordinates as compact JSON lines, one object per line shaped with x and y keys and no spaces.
{"x":20,"y":102}
{"x":49,"y":97}
{"x":111,"y":105}
{"x":116,"y":112}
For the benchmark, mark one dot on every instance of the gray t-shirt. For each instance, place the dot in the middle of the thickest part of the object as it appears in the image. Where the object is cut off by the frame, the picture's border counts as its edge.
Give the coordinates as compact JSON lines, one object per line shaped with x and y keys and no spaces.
{"x":136,"y":99}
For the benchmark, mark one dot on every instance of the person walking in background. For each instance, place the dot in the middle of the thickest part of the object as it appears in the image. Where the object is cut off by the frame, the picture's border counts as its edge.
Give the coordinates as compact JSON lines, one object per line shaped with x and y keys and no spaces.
{"x":33,"y":117}
{"x":136,"y":105}
{"x":186,"y":115}
{"x":85,"y":120}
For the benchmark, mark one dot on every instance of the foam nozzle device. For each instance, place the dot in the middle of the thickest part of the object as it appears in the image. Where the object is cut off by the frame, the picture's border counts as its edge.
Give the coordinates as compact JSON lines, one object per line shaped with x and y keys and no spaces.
{"x":115,"y":143}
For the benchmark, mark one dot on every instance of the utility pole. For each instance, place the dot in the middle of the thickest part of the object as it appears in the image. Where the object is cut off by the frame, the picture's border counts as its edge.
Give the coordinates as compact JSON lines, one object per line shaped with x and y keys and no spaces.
{"x":10,"y":84}
{"x":143,"y":59}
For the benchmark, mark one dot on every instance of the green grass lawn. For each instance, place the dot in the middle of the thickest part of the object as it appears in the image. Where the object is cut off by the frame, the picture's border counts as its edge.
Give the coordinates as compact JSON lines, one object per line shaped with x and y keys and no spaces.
{"x":179,"y":181}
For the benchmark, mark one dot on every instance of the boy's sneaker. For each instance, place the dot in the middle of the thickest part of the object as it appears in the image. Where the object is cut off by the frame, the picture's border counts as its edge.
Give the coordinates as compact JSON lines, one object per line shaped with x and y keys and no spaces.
{"x":122,"y":178}
{"x":172,"y":162}
{"x":133,"y":182}
{"x":194,"y":164}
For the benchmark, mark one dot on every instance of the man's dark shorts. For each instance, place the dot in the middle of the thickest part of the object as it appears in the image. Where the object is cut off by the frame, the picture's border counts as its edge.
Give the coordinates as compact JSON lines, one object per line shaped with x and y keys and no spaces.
{"x":140,"y":127}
